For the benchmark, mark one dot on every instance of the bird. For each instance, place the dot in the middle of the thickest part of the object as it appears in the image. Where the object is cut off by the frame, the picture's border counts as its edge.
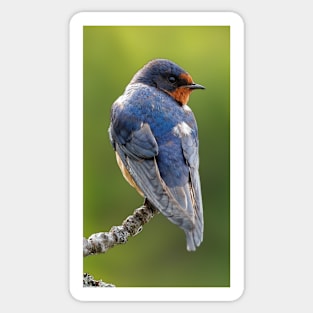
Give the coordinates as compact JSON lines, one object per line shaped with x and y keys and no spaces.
{"x":154,"y":135}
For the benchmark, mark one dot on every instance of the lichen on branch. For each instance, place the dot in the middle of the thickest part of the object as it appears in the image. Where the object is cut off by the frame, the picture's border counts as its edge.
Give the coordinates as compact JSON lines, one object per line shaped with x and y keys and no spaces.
{"x":131,"y":226}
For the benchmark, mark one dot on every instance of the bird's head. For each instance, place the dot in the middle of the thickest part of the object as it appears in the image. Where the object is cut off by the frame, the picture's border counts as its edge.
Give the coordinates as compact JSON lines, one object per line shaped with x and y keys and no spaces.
{"x":168,"y":77}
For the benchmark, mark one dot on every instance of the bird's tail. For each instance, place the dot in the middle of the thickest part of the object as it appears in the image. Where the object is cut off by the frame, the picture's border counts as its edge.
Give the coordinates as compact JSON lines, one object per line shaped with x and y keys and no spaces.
{"x":195,"y":236}
{"x":193,"y":240}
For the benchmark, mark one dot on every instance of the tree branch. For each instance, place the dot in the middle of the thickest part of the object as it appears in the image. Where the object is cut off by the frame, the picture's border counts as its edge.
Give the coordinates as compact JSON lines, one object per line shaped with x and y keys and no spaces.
{"x":131,"y":226}
{"x":89,"y":281}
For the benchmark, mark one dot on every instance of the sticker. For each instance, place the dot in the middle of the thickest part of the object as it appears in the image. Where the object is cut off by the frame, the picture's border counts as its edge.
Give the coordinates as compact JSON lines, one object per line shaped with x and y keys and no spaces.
{"x":176,"y":130}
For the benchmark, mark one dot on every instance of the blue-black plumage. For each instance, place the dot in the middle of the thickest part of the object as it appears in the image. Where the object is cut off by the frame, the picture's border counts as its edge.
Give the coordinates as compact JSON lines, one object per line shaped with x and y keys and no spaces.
{"x":155,"y":136}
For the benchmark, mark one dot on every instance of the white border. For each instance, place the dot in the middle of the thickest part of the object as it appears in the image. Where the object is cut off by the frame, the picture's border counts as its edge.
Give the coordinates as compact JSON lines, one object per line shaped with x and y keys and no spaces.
{"x":236,"y":167}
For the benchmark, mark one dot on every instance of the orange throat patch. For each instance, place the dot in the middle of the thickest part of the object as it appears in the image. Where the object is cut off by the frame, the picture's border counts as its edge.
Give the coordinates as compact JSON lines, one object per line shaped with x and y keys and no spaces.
{"x":181,"y":95}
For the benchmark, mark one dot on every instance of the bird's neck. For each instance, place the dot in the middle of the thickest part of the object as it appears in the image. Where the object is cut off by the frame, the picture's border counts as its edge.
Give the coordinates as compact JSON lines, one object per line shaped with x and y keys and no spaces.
{"x":181,"y":95}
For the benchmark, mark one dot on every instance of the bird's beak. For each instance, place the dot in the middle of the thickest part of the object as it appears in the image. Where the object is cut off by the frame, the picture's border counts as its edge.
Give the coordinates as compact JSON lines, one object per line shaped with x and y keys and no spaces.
{"x":195,"y":86}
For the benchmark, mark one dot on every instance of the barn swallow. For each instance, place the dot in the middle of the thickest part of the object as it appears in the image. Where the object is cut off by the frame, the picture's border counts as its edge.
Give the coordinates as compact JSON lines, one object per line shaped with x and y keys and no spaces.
{"x":155,"y":137}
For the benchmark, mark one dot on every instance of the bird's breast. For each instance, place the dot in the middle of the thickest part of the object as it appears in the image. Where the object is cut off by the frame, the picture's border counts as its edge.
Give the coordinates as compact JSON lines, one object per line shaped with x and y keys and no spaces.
{"x":127,"y":175}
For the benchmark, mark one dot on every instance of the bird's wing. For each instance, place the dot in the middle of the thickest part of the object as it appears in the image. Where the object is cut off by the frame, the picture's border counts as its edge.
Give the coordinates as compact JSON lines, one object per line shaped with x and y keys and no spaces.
{"x":191,"y":154}
{"x":137,"y":149}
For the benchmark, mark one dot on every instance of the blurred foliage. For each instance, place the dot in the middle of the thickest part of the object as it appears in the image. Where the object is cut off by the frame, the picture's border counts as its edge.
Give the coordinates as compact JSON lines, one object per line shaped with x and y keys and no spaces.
{"x":157,"y":257}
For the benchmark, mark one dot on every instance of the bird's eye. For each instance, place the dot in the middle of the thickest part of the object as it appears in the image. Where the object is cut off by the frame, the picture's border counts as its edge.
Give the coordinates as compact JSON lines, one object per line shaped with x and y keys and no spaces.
{"x":172,"y":79}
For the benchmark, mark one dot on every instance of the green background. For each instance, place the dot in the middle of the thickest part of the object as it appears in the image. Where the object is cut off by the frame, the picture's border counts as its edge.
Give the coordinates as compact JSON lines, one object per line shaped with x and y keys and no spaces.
{"x":157,"y":257}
